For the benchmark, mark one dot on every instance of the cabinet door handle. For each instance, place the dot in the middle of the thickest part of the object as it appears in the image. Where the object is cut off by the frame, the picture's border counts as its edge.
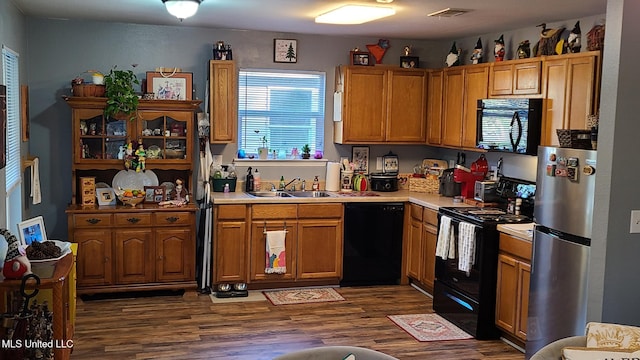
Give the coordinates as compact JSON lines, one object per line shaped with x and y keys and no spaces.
{"x":93,"y":221}
{"x":106,"y":259}
{"x":172,"y":219}
{"x":133,"y":220}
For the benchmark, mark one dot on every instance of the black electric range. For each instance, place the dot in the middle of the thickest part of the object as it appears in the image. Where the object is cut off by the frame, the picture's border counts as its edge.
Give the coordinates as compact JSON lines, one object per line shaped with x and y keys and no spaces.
{"x":484,"y":216}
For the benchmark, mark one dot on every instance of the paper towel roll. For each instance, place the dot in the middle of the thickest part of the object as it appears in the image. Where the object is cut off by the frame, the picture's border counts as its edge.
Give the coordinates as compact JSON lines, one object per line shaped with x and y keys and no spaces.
{"x":332,"y":180}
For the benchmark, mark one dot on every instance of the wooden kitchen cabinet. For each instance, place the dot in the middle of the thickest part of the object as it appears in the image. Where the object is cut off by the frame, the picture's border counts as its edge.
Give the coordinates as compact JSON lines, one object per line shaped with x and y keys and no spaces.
{"x":223,"y":101}
{"x":319,"y":241}
{"x":414,"y":243}
{"x":421,"y":246}
{"x":434,"y":107}
{"x":515,"y":77}
{"x":267,"y":218}
{"x":430,"y":235}
{"x":570,"y":84}
{"x":512,"y":296}
{"x":129,"y":249}
{"x":230,"y":251}
{"x":382,"y":105}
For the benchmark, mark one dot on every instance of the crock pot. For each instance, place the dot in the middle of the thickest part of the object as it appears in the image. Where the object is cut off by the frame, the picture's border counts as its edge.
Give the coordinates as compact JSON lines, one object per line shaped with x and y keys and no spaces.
{"x":384,"y":181}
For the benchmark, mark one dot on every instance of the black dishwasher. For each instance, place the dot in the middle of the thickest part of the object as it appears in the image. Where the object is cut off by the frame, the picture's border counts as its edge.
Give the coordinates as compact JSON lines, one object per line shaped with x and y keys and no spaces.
{"x":372,"y":244}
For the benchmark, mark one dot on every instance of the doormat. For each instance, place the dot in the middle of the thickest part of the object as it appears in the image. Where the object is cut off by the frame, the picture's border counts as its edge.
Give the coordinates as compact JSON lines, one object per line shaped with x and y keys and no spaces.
{"x":429,"y":327}
{"x":253,"y":296}
{"x":302,"y":296}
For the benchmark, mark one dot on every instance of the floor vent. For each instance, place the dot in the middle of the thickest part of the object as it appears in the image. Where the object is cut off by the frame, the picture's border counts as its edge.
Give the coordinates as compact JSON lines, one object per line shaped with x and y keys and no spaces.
{"x":449,"y":12}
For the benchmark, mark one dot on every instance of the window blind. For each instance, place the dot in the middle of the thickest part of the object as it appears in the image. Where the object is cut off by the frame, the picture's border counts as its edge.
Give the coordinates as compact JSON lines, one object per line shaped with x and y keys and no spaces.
{"x":12,"y":151}
{"x":285,"y":107}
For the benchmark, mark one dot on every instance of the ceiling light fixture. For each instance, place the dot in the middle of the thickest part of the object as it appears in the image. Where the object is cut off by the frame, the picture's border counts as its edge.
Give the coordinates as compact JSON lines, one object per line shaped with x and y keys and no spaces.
{"x":355,"y":14}
{"x":182,"y":9}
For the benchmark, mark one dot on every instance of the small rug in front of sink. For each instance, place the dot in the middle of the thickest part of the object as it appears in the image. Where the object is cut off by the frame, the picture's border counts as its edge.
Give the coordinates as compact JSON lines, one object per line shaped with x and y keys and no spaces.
{"x":302,"y":296}
{"x":429,"y":327}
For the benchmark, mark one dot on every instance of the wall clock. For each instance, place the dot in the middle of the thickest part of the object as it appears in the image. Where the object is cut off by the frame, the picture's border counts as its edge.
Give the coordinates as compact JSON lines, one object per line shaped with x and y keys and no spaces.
{"x":285,"y":50}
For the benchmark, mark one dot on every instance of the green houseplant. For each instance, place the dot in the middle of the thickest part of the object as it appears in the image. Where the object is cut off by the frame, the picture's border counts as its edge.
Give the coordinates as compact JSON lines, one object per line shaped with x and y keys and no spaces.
{"x":306,"y":151}
{"x":121,"y":97}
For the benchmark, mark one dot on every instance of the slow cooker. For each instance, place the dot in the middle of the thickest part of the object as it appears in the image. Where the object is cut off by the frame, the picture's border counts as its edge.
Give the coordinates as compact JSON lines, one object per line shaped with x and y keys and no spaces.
{"x":384,"y":181}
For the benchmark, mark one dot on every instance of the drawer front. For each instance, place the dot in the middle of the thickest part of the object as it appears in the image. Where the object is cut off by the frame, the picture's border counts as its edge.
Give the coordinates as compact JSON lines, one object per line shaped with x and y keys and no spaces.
{"x":231,"y":212}
{"x":518,"y":247}
{"x":92,"y":220}
{"x":319,"y":211}
{"x":284,"y":211}
{"x":416,"y":212}
{"x":137,"y":219}
{"x":430,"y":216}
{"x":174,"y":218}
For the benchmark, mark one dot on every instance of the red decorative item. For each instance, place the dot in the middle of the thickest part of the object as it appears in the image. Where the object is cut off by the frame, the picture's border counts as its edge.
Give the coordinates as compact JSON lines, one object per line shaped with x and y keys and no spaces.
{"x":378,"y":50}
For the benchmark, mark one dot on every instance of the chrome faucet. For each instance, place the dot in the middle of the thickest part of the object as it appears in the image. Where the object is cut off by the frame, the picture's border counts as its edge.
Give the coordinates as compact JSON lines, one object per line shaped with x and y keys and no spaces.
{"x":293,"y":187}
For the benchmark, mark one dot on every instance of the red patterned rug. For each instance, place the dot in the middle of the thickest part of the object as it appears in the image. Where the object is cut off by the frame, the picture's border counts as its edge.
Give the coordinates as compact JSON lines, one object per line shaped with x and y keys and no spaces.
{"x":429,"y":327}
{"x":302,"y":296}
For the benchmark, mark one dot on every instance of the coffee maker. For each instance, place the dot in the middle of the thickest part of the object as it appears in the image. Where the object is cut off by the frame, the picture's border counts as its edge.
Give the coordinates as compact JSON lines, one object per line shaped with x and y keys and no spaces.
{"x":468,"y":177}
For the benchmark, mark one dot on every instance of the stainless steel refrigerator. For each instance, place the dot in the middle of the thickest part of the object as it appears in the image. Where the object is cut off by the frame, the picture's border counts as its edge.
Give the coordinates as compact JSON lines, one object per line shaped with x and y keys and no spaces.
{"x":561,"y":245}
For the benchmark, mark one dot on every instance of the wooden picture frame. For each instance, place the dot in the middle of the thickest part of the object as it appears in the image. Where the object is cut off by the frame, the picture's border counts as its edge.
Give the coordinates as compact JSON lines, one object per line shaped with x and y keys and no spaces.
{"x":170,"y":86}
{"x":106,"y":196}
{"x":285,"y":51}
{"x":409,"y":62}
{"x":360,"y":157}
{"x":154,"y":194}
{"x":361,"y":58}
{"x":32,"y":230}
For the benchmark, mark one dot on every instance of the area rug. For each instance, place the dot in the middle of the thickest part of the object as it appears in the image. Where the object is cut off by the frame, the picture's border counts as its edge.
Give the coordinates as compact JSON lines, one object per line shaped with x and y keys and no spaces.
{"x":253,"y":296}
{"x":302,"y":296}
{"x":429,"y":327}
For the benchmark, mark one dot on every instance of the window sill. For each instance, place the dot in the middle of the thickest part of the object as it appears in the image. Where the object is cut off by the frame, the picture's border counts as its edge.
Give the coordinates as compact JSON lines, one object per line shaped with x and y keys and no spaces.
{"x":282,"y":162}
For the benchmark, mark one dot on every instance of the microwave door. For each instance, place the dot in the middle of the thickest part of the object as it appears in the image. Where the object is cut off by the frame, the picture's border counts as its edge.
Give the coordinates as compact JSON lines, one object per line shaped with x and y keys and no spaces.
{"x":516,"y":124}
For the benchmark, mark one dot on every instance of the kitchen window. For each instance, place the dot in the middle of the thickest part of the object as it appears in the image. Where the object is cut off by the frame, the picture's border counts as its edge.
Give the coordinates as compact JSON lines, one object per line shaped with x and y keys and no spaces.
{"x":285,"y":107}
{"x":11,"y":107}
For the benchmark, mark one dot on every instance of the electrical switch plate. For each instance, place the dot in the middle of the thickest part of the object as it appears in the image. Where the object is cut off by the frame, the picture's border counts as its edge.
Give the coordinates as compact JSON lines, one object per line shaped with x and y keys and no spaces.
{"x":379,"y":163}
{"x":635,"y":221}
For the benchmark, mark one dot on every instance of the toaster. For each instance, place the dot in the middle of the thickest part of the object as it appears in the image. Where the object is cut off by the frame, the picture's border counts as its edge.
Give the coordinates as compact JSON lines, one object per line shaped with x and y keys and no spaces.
{"x":486,"y":191}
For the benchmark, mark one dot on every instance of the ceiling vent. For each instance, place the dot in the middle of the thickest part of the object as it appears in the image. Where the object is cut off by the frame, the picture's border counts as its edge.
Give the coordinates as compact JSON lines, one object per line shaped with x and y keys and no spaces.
{"x":449,"y":12}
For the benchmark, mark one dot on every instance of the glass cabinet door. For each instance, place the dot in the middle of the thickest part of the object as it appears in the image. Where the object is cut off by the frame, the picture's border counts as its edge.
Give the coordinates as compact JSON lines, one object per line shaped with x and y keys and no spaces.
{"x":99,"y":138}
{"x":164,"y":136}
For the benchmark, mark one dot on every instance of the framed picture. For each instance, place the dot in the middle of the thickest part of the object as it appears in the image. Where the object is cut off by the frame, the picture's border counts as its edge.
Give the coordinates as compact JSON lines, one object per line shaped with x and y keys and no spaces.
{"x":409,"y":62}
{"x":285,"y":50}
{"x":154,"y":194}
{"x":359,"y":58}
{"x":360,"y":157}
{"x":171,"y":86}
{"x":32,"y":230}
{"x":106,"y":196}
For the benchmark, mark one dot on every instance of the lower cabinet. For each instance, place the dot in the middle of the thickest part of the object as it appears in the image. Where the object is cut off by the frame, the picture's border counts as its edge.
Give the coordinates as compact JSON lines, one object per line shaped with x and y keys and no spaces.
{"x":134,"y":249}
{"x":421,"y":245}
{"x":512,"y":297}
{"x":313,"y":243}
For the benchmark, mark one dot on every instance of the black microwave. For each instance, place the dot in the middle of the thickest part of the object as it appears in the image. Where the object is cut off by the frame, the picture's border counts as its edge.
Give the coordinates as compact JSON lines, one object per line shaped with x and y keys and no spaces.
{"x":509,"y":125}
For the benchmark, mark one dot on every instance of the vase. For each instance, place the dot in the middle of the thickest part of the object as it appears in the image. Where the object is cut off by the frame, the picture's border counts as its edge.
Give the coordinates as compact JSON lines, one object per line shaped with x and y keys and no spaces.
{"x":263,"y":152}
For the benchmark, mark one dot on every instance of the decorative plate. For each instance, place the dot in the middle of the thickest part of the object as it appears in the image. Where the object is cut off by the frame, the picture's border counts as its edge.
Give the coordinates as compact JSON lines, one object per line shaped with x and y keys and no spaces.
{"x":129,"y":179}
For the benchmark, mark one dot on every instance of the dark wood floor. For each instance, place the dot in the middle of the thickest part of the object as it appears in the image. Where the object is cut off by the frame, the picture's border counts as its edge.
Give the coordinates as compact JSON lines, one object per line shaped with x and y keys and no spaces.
{"x":192,"y":327}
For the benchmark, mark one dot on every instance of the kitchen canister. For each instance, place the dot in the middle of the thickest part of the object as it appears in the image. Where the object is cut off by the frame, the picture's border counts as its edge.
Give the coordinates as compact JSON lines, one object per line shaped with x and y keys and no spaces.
{"x":332,"y":179}
{"x":347,"y":181}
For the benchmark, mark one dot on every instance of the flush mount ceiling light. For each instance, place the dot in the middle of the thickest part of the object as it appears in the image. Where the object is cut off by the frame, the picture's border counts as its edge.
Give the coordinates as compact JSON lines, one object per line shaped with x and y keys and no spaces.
{"x":355,"y":14}
{"x":182,"y":9}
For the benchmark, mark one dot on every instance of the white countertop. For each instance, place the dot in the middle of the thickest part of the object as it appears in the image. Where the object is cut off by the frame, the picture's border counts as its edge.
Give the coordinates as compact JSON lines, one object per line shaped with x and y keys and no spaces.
{"x":522,"y":231}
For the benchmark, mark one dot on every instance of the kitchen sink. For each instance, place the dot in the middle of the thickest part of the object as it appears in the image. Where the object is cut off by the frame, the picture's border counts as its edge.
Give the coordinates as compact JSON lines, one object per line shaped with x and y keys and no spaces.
{"x":314,"y":194}
{"x":269,"y":194}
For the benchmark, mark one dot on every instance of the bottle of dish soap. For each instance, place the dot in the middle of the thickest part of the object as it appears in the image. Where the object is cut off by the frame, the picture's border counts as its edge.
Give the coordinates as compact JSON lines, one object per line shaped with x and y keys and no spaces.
{"x":282,"y":183}
{"x":256,"y":181}
{"x":316,"y":184}
{"x":248,"y":183}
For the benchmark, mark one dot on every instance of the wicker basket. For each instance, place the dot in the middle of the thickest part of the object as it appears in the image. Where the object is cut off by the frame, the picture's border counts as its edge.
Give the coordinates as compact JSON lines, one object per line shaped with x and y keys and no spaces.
{"x":575,"y":139}
{"x":429,"y":185}
{"x":87,"y":90}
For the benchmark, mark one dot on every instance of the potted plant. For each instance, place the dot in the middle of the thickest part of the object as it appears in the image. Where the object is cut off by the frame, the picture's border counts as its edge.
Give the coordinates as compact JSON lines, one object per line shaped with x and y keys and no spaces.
{"x":122,"y":99}
{"x":306,"y":151}
{"x":263,"y":151}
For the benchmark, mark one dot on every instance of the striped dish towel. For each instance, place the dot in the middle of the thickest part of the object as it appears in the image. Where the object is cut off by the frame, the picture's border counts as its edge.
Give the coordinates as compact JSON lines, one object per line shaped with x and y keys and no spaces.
{"x":445,"y":245}
{"x":466,"y":246}
{"x":275,"y":252}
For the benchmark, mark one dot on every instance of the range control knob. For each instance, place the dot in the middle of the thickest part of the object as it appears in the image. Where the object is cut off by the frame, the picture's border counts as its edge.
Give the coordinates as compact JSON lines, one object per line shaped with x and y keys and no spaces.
{"x":588,"y":170}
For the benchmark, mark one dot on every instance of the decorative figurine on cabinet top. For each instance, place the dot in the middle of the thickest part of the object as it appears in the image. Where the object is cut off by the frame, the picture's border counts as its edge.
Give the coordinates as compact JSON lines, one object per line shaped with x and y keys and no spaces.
{"x":179,"y":193}
{"x":453,"y":59}
{"x":573,"y":41}
{"x":498,"y":50}
{"x":378,"y":50}
{"x":141,"y":156}
{"x":549,"y":39}
{"x":524,"y":51}
{"x":476,"y":56}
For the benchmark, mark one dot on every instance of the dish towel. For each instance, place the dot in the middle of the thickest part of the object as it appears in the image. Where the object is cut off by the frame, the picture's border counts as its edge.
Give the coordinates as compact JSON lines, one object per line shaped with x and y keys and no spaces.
{"x":276,"y":257}
{"x":35,"y":181}
{"x":466,"y":246}
{"x":445,"y":246}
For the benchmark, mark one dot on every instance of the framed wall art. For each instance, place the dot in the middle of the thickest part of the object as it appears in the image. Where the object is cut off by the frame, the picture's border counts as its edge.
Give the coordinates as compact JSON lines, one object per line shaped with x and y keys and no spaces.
{"x":359,"y":58}
{"x":170,"y":86}
{"x":154,"y":194}
{"x":32,"y":230}
{"x":409,"y":62}
{"x":285,"y":50}
{"x":106,"y":196}
{"x":360,"y":157}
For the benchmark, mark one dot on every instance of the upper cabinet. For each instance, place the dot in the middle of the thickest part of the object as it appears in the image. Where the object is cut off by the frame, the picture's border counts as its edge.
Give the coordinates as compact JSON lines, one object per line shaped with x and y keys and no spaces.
{"x":382,"y":105}
{"x":515,"y":77}
{"x":434,"y":107}
{"x":571,"y":86}
{"x":223,"y":105}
